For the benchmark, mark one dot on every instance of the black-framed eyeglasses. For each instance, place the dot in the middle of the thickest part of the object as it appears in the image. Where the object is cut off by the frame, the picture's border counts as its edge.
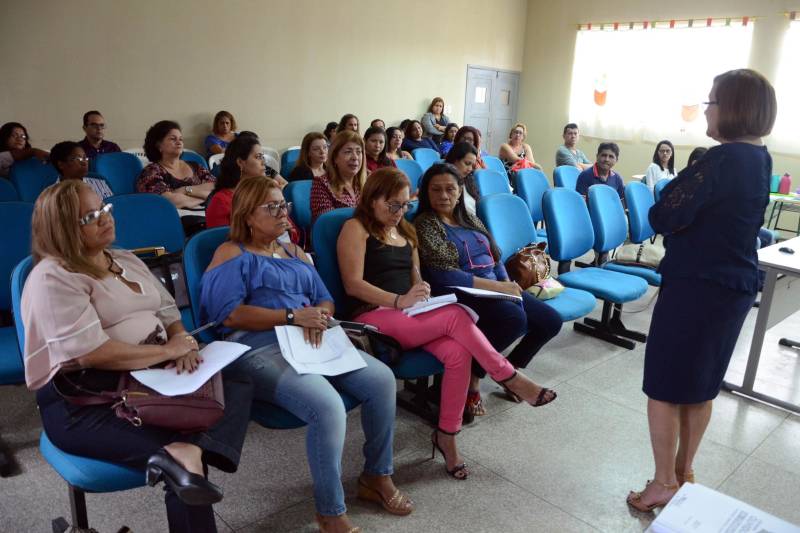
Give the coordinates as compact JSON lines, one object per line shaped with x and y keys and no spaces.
{"x":94,"y":216}
{"x":394,"y":207}
{"x":96,"y":126}
{"x":274,"y":209}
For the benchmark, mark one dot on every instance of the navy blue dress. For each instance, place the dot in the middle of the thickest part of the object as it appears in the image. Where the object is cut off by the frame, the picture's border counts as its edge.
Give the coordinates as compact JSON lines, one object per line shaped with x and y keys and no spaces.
{"x":710,"y":216}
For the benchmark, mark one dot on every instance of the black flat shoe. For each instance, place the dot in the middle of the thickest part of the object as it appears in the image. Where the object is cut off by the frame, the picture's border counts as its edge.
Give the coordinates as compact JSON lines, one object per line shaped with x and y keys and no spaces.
{"x":192,"y":489}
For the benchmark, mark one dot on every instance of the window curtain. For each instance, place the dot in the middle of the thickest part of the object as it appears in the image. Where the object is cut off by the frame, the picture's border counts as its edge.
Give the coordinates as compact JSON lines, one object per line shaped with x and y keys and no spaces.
{"x":785,"y":137}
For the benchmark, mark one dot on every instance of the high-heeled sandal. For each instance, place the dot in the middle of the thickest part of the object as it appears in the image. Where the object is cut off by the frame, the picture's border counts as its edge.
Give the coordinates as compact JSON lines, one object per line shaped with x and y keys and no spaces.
{"x":460,"y":471}
{"x":475,"y":404}
{"x":541,"y":398}
{"x":399,"y":504}
{"x":322,"y":529}
{"x":192,"y":489}
{"x":685,"y":477}
{"x":635,"y":498}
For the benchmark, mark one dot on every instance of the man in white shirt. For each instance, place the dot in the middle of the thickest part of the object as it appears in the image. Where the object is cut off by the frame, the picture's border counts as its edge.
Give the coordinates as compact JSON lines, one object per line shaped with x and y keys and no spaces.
{"x":568,"y":153}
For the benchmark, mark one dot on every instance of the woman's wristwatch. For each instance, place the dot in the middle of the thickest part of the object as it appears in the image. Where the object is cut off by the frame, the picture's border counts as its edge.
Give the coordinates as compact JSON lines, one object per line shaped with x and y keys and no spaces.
{"x":289,"y":317}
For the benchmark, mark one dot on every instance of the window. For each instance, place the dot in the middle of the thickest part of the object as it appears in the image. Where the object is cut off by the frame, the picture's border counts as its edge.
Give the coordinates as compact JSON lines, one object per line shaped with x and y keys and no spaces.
{"x":784,"y":136}
{"x":651,"y":83}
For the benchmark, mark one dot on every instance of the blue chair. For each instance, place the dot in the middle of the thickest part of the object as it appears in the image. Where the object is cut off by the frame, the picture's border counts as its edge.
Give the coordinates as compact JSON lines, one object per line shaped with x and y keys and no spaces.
{"x":415,"y":365}
{"x":639,"y":201}
{"x":494,"y":163}
{"x":491,"y":182}
{"x":299,"y":193}
{"x":15,"y":234}
{"x":289,"y":160}
{"x":196,"y":258}
{"x":30,"y":177}
{"x":508,"y":220}
{"x":530,"y":185}
{"x":82,"y":474}
{"x":569,"y":235}
{"x":659,"y":186}
{"x":611,"y":230}
{"x":566,"y":176}
{"x":426,"y":157}
{"x":412,"y":170}
{"x":120,"y":169}
{"x":194,"y":157}
{"x":8,"y":193}
{"x":412,"y":210}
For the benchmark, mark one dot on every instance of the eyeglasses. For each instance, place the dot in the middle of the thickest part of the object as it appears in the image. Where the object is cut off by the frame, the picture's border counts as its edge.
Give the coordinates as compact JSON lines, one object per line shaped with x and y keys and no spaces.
{"x":94,"y":216}
{"x":78,"y":159}
{"x":394,"y":207}
{"x":485,"y":244}
{"x":19,"y":136}
{"x":665,"y":151}
{"x":96,"y":126}
{"x":274,"y":209}
{"x":707,"y":104}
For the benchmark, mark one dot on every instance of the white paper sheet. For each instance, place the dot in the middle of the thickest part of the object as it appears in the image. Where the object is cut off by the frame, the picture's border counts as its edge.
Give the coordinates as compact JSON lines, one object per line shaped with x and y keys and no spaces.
{"x":168,"y":382}
{"x":430,"y":304}
{"x":335,"y":356}
{"x":483,"y":293}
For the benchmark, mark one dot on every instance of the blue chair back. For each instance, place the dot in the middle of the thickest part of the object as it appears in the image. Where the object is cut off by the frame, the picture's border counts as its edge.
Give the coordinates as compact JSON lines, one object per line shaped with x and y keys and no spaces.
{"x":15,"y":234}
{"x":426,"y":157}
{"x":30,"y":177}
{"x":659,"y":186}
{"x":412,"y":170}
{"x":566,"y":176}
{"x":8,"y":193}
{"x":412,"y":210}
{"x":18,"y":277}
{"x":494,"y":163}
{"x":569,"y":227}
{"x":324,"y":235}
{"x":639,"y":201}
{"x":196,"y":258}
{"x":491,"y":182}
{"x":144,"y":220}
{"x":531,"y":184}
{"x":608,"y":218}
{"x":194,"y":157}
{"x":299,"y":193}
{"x":508,"y":219}
{"x":120,"y":169}
{"x":289,"y":160}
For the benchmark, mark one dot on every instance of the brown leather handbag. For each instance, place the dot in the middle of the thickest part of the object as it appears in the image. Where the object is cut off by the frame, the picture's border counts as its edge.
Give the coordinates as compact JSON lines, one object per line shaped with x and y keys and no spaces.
{"x":529,"y":266}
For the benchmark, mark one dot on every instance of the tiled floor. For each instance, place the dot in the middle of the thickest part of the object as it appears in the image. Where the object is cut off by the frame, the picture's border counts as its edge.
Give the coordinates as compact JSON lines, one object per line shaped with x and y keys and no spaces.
{"x":561,"y":468}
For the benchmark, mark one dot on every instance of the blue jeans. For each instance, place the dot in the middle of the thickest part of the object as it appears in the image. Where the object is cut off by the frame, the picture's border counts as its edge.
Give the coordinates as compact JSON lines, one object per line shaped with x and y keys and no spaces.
{"x":315,"y":400}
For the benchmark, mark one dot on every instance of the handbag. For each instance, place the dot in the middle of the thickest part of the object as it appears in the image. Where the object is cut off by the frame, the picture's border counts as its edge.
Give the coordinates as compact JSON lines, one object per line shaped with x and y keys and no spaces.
{"x":367,"y":338}
{"x":529,"y":266}
{"x":142,"y":406}
{"x":646,"y":254}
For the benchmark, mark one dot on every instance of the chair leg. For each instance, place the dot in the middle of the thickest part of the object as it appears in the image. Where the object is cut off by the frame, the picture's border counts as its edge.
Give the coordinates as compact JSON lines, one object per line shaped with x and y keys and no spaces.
{"x":7,"y":464}
{"x":610,"y":327}
{"x":77,"y":503}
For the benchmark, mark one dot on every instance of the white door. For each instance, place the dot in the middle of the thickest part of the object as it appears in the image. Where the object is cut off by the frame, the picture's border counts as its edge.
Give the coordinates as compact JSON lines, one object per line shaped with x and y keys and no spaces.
{"x":491,"y":105}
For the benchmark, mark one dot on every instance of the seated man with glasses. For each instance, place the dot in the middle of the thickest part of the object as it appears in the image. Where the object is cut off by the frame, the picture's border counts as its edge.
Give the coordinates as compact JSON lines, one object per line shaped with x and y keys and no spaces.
{"x":456,"y":249}
{"x":72,"y":164}
{"x":94,"y":142}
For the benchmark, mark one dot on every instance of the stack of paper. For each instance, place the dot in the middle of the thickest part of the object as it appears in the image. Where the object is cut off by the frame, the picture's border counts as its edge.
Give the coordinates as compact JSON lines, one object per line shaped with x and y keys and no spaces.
{"x":699,"y":509}
{"x":483,"y":293}
{"x":168,"y":382}
{"x":336,"y":355}
{"x":430,"y":304}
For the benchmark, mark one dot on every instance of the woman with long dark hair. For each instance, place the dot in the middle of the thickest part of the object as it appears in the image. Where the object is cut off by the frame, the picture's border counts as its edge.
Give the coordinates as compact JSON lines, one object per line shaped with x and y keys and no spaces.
{"x":663,"y":165}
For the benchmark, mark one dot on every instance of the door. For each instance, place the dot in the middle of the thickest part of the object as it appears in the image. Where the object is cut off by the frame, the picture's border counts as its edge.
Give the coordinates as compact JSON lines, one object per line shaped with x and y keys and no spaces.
{"x":491,"y":104}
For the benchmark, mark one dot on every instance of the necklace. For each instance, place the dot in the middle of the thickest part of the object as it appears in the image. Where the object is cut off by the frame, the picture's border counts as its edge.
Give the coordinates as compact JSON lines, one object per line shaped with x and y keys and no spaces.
{"x":114,"y":271}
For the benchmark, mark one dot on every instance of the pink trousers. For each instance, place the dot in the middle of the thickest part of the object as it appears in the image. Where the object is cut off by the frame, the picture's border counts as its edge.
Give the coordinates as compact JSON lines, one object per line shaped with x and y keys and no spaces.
{"x":453,"y":338}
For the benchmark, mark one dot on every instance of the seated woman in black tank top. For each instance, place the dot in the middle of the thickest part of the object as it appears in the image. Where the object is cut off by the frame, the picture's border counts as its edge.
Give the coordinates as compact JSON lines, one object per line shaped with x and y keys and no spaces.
{"x":378,"y":258}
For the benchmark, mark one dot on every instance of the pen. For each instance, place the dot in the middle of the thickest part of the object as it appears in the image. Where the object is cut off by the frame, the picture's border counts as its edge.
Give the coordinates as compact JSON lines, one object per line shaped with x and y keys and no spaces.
{"x":202,"y":328}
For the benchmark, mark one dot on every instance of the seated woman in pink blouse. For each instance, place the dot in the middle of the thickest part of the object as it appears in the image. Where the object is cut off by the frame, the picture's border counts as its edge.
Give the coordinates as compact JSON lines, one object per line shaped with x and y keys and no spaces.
{"x":346,"y":173}
{"x":91,"y":312}
{"x":185,"y":184}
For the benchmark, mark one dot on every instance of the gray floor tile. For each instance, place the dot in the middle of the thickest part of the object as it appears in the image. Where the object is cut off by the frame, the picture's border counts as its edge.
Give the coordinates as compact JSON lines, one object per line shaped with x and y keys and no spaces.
{"x":767,"y":487}
{"x":742,"y":424}
{"x":782,"y":448}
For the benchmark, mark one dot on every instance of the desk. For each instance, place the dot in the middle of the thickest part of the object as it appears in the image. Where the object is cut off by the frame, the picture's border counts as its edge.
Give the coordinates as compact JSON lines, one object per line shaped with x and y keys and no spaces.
{"x":779,"y":299}
{"x":783,"y":202}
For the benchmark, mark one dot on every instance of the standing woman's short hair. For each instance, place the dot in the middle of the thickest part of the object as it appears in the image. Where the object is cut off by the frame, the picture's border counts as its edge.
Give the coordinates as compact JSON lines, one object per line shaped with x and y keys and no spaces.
{"x":250,"y":193}
{"x":383,"y":183}
{"x":305,"y":148}
{"x":339,"y":141}
{"x":747,"y":104}
{"x":657,"y":159}
{"x":6,"y":131}
{"x":155,"y":135}
{"x":219,"y":116}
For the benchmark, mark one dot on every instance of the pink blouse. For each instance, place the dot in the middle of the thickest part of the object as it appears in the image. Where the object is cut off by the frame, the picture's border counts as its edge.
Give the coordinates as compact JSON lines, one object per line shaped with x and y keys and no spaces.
{"x":67,"y":315}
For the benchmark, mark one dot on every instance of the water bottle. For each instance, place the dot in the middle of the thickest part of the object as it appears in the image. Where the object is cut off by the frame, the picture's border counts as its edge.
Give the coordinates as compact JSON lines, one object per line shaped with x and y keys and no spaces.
{"x":774,"y":182}
{"x":785,"y":186}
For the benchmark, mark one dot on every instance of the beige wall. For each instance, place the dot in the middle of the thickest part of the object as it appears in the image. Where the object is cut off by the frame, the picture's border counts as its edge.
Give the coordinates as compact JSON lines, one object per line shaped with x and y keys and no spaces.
{"x":281,"y":67}
{"x":550,"y":47}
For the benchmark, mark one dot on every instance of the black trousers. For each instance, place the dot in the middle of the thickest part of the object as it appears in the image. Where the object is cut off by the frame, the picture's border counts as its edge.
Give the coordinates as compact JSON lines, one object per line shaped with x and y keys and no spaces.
{"x":96,"y":432}
{"x":503,"y":322}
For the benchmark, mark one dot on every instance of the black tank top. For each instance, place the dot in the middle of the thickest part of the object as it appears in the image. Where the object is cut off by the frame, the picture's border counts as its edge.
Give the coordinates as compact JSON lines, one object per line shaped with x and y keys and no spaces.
{"x":387,"y":267}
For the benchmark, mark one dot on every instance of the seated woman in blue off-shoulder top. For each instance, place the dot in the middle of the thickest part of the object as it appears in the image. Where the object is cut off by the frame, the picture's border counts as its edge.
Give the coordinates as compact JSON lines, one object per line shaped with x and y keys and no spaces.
{"x":254,"y":283}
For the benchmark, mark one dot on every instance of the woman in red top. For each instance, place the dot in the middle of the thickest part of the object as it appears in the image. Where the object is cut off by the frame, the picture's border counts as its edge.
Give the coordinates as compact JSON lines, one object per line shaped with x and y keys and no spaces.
{"x":375,"y":150}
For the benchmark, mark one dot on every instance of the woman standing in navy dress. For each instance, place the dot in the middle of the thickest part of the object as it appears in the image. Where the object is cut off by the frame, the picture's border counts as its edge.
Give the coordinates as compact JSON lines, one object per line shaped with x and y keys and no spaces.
{"x":710,"y":216}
